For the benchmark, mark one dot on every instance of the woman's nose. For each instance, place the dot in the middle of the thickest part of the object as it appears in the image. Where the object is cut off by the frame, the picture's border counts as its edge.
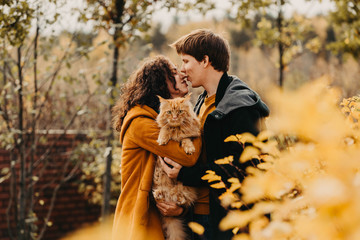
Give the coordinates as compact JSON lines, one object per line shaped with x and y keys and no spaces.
{"x":181,"y":74}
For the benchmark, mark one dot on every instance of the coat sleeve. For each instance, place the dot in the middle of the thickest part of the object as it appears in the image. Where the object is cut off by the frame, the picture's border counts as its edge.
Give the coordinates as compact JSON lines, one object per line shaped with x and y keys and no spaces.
{"x":191,"y":176}
{"x":144,"y":132}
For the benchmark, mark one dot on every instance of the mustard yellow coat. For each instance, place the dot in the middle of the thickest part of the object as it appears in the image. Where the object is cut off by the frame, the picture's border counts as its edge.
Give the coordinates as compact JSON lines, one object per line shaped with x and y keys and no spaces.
{"x":136,"y":216}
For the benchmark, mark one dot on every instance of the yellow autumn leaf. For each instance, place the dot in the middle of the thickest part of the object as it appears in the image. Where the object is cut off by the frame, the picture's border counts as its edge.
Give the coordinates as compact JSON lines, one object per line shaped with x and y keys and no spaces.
{"x":211,"y":176}
{"x":235,"y":184}
{"x":235,"y":218}
{"x":41,"y":202}
{"x":196,"y":228}
{"x":236,"y":205}
{"x":218,"y":185}
{"x":249,"y":153}
{"x":243,"y":138}
{"x":264,"y":135}
{"x":235,"y":230}
{"x":246,"y":137}
{"x":234,"y":187}
{"x":259,"y":144}
{"x":265,"y":166}
{"x":270,"y":147}
{"x":352,"y":104}
{"x":345,"y":109}
{"x":227,"y":198}
{"x":241,"y":236}
{"x":231,"y":138}
{"x":345,"y":102}
{"x":267,"y":158}
{"x":233,"y":180}
{"x":225,"y":160}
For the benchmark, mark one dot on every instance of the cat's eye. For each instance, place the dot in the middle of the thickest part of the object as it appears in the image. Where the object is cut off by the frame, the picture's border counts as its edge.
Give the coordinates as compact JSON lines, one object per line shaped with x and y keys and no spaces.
{"x":168,"y":112}
{"x":180,"y":111}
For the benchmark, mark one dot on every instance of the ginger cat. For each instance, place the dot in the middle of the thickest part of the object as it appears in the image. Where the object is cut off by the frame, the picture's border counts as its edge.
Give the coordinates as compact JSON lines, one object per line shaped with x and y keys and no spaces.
{"x":178,"y":122}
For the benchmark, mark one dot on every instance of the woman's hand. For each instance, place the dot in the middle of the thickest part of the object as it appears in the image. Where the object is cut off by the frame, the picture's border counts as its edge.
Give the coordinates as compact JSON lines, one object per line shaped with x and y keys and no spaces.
{"x":169,"y":209}
{"x":173,"y":170}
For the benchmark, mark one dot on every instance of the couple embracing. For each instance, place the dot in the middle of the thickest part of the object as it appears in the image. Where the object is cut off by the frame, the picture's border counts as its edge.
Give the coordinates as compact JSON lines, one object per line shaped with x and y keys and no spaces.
{"x":226,"y":107}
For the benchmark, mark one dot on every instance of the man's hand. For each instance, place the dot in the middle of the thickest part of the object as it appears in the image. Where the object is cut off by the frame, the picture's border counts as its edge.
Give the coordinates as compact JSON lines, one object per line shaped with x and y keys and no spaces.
{"x":169,"y":209}
{"x":173,"y":170}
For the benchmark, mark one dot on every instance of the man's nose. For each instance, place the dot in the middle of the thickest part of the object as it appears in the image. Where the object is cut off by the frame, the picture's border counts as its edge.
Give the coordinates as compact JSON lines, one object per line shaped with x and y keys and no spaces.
{"x":182,"y":69}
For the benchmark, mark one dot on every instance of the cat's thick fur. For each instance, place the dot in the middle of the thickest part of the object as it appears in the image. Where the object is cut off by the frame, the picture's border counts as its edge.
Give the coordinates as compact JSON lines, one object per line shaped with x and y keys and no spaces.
{"x":177,"y":122}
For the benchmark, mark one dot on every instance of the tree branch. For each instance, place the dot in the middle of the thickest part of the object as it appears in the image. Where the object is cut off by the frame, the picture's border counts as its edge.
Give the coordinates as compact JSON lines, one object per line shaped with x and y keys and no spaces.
{"x":51,"y":147}
{"x":63,"y":180}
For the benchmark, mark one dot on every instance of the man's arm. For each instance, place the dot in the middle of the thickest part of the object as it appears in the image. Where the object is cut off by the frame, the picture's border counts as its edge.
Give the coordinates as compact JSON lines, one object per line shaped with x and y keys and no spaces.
{"x":240,"y":121}
{"x":189,"y":176}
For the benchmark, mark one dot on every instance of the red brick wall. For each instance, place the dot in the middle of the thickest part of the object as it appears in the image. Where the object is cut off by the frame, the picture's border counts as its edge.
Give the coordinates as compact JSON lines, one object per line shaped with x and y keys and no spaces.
{"x":71,"y":210}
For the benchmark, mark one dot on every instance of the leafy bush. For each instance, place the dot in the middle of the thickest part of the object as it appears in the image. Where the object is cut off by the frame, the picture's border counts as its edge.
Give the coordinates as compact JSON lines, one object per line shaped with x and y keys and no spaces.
{"x":93,"y":163}
{"x":307,"y":184}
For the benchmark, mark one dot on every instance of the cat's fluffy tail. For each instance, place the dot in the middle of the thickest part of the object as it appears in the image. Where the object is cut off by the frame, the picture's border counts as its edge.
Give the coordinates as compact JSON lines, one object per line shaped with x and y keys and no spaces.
{"x":174,"y":229}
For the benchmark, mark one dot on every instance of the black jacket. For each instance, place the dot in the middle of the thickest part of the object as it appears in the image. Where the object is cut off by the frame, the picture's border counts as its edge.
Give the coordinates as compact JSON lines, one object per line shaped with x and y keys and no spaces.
{"x":238,"y":109}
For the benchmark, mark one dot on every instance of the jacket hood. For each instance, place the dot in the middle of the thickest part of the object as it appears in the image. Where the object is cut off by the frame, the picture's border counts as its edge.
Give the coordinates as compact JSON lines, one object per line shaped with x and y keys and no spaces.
{"x":135,"y":112}
{"x":236,"y":95}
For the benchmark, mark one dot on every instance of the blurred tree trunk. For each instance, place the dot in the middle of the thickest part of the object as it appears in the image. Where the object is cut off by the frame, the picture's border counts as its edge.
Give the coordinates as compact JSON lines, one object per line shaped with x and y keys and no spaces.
{"x":117,"y":16}
{"x":33,"y":138}
{"x":280,"y":44}
{"x":21,"y":151}
{"x":110,"y":138}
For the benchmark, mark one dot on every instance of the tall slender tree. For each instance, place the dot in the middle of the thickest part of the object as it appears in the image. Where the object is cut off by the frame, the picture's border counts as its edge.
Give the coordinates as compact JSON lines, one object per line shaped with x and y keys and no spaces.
{"x":286,"y":34}
{"x":346,"y":20}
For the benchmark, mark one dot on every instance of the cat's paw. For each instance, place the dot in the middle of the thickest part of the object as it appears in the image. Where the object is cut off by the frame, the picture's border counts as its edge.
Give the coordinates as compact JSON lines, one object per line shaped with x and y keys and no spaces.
{"x":158,"y":195}
{"x":162,"y":141}
{"x":189,"y":149}
{"x":180,"y":200}
{"x":188,"y":146}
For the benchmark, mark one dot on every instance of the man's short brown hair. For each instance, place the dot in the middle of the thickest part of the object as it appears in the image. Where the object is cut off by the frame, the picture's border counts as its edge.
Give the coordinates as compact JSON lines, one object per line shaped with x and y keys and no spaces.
{"x":203,"y":42}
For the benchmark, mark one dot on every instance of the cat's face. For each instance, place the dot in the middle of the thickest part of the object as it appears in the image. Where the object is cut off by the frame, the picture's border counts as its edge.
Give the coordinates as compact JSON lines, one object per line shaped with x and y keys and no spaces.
{"x":174,"y":112}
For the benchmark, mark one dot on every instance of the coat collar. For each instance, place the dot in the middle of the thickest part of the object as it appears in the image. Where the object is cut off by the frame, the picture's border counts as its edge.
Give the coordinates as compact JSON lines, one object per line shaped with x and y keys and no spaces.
{"x":221,"y":89}
{"x":231,"y":94}
{"x":136,"y":111}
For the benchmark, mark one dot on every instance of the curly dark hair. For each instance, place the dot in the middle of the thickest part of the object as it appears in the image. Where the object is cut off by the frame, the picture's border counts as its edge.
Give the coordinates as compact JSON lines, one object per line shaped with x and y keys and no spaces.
{"x":143,"y":86}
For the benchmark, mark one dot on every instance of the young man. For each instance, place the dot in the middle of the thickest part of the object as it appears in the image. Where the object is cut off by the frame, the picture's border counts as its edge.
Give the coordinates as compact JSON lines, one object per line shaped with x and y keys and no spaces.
{"x":226,"y":107}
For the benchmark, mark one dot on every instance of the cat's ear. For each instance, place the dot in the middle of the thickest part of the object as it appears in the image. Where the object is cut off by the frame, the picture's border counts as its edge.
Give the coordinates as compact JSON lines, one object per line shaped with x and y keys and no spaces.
{"x":160,"y":98}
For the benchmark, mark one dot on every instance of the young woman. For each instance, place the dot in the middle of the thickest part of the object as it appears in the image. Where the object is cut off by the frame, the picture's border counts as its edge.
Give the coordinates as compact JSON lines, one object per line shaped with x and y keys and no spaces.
{"x":136,"y":215}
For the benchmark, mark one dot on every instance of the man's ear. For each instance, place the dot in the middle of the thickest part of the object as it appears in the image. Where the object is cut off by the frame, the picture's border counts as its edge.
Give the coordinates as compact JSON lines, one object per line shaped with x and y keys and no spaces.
{"x":206,"y":61}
